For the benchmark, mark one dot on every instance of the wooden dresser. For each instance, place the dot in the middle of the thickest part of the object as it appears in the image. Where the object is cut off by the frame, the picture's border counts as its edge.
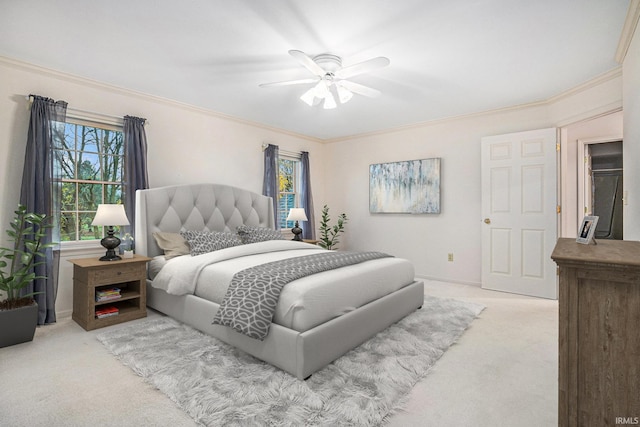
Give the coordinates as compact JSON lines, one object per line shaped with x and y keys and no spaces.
{"x":599,"y":337}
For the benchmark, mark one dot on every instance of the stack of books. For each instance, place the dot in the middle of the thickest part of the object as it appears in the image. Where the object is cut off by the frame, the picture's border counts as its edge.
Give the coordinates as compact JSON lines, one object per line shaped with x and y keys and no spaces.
{"x":107,"y":311}
{"x":107,"y":294}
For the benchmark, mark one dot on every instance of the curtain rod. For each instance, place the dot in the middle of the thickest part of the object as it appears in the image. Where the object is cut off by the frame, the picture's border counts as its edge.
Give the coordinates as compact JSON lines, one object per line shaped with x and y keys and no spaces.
{"x":285,"y":152}
{"x":94,"y":115}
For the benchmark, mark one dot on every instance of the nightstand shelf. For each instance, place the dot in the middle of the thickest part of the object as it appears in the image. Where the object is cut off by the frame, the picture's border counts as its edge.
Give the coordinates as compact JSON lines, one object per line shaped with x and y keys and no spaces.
{"x":126,"y":294}
{"x":91,"y":275}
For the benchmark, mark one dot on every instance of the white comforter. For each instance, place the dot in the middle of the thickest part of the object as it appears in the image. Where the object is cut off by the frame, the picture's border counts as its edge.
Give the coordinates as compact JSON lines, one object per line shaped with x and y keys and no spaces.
{"x":304,"y":303}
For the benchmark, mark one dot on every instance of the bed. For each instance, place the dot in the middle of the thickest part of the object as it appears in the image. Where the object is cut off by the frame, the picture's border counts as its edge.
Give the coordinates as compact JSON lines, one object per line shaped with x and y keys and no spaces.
{"x":317,"y":318}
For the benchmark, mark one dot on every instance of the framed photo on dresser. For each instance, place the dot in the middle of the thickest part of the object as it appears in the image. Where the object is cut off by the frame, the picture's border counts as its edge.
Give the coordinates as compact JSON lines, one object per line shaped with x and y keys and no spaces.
{"x":587,"y":230}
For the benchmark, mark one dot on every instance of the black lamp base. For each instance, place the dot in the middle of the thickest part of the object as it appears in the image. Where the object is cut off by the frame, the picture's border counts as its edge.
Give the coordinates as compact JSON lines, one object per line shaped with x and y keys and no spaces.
{"x":110,"y":243}
{"x":110,"y":257}
{"x":297,"y":231}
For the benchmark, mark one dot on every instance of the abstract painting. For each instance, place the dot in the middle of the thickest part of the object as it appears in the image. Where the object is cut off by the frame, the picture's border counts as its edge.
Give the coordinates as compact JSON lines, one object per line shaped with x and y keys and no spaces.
{"x":411,"y":186}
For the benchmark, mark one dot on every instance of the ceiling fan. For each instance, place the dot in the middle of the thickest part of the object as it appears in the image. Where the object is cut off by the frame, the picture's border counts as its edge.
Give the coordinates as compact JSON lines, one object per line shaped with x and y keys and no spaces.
{"x":330,"y":78}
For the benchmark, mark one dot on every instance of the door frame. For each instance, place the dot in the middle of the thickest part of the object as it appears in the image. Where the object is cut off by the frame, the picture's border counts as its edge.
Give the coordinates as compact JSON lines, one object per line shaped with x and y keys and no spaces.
{"x":584,"y":169}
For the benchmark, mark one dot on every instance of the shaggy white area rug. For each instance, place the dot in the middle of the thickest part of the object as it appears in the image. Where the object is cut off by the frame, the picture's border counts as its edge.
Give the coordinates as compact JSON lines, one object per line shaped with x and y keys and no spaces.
{"x":218,"y":385}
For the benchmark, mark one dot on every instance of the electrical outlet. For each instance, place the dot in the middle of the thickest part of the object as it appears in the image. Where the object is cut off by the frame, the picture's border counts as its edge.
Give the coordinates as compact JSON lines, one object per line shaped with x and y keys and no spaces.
{"x":450,"y":257}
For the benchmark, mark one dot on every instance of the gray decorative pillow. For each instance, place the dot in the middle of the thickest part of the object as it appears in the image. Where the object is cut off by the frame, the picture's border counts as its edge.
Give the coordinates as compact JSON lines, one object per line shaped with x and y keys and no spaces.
{"x":249,"y":234}
{"x":202,"y":242}
{"x":173,"y":244}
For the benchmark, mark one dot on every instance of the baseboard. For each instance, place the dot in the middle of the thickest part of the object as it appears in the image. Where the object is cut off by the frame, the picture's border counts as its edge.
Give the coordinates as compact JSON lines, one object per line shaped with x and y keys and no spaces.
{"x":440,"y":279}
{"x":63,"y":314}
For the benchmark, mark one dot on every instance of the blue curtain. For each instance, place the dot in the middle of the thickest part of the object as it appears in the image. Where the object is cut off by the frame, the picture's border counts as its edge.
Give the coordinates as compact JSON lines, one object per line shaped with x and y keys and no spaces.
{"x":306,"y":200}
{"x":40,"y":193}
{"x":136,"y":176}
{"x":270,"y":184}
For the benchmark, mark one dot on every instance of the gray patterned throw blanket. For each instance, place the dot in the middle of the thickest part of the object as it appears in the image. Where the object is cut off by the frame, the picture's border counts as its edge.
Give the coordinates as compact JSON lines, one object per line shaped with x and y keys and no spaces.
{"x":252,"y":295}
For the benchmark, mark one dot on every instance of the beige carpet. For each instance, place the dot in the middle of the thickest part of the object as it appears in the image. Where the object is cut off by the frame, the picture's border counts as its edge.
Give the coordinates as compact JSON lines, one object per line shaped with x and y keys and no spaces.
{"x":502,"y":372}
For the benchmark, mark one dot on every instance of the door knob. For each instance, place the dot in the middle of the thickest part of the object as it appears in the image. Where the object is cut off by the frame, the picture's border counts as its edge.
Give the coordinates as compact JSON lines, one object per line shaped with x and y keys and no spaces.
{"x":487,"y":221}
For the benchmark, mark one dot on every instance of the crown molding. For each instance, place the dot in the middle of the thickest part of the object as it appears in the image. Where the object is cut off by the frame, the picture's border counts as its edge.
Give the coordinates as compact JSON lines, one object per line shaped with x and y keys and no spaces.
{"x":436,"y":122}
{"x":628,"y":30}
{"x":609,"y":75}
{"x":72,"y":78}
{"x":598,"y":80}
{"x":596,"y":113}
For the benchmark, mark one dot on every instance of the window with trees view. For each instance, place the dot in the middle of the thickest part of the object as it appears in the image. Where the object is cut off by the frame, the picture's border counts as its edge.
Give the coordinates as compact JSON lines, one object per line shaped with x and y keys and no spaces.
{"x":288,"y":174}
{"x":90,"y":162}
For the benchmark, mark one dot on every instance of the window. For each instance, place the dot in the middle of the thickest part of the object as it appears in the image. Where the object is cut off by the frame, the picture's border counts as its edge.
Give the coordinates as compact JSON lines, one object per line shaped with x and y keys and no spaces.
{"x":289,"y":188}
{"x":90,"y":162}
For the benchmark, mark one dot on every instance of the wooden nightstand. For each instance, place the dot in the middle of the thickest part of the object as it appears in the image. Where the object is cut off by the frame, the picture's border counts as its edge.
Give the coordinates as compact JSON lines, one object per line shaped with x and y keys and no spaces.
{"x":91,"y":275}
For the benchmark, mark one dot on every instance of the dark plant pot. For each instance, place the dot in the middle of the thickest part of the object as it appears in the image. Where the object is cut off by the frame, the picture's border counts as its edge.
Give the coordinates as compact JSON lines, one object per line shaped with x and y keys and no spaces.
{"x":18,"y":325}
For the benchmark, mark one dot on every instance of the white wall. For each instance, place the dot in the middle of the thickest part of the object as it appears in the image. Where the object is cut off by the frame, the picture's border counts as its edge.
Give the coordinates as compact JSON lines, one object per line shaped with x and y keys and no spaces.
{"x":631,"y":145}
{"x":427,"y":239}
{"x":186,"y":144}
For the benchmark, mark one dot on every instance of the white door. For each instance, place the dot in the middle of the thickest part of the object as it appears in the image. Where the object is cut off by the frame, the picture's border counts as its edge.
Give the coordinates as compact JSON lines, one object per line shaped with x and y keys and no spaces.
{"x":520,"y":212}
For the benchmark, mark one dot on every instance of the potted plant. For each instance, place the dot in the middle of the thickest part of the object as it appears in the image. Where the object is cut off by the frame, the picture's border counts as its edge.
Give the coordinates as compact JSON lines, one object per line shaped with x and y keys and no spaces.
{"x":329,"y":234}
{"x":19,"y":313}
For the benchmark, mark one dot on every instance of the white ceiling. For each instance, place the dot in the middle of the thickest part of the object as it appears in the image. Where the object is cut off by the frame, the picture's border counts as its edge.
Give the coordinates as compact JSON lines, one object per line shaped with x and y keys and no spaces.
{"x":448,"y":57}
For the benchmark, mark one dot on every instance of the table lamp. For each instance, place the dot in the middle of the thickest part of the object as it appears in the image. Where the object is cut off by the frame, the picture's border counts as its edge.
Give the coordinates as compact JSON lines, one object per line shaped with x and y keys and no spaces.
{"x":297,"y":214}
{"x":110,"y":215}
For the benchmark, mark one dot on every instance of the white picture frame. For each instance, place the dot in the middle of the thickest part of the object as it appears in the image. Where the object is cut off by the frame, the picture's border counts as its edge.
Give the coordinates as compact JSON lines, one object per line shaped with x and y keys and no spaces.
{"x":587,"y":229}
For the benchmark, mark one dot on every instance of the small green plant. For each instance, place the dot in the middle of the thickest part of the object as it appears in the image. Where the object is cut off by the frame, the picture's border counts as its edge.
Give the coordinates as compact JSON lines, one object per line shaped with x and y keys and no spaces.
{"x":16,"y":264}
{"x":328,"y":234}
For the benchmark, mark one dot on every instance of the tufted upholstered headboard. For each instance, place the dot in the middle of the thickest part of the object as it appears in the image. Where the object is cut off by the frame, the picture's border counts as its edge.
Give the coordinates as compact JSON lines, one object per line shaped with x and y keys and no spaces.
{"x":209,"y":207}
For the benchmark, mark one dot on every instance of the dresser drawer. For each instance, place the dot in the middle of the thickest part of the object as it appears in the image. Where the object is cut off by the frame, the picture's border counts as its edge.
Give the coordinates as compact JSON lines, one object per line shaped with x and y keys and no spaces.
{"x":117,"y":274}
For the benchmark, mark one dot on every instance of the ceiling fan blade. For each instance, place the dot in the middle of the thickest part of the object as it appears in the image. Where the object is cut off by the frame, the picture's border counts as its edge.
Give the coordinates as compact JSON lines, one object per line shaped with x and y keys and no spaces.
{"x":308,"y":63}
{"x":289,"y":82}
{"x":362,"y":67}
{"x":359,"y":89}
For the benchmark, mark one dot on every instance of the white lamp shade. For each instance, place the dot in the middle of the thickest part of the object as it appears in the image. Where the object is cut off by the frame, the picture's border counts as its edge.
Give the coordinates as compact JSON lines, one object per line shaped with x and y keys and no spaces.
{"x":344,"y":94}
{"x":297,"y":214}
{"x":321,"y":89}
{"x":309,"y":97}
{"x":110,"y":215}
{"x":329,"y":102}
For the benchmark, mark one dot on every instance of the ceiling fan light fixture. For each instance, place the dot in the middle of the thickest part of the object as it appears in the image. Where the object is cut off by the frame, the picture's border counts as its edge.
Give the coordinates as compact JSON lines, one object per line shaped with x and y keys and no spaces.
{"x":309,"y":97}
{"x":322,"y":89}
{"x":344,"y":94}
{"x":329,"y":102}
{"x":328,"y":71}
